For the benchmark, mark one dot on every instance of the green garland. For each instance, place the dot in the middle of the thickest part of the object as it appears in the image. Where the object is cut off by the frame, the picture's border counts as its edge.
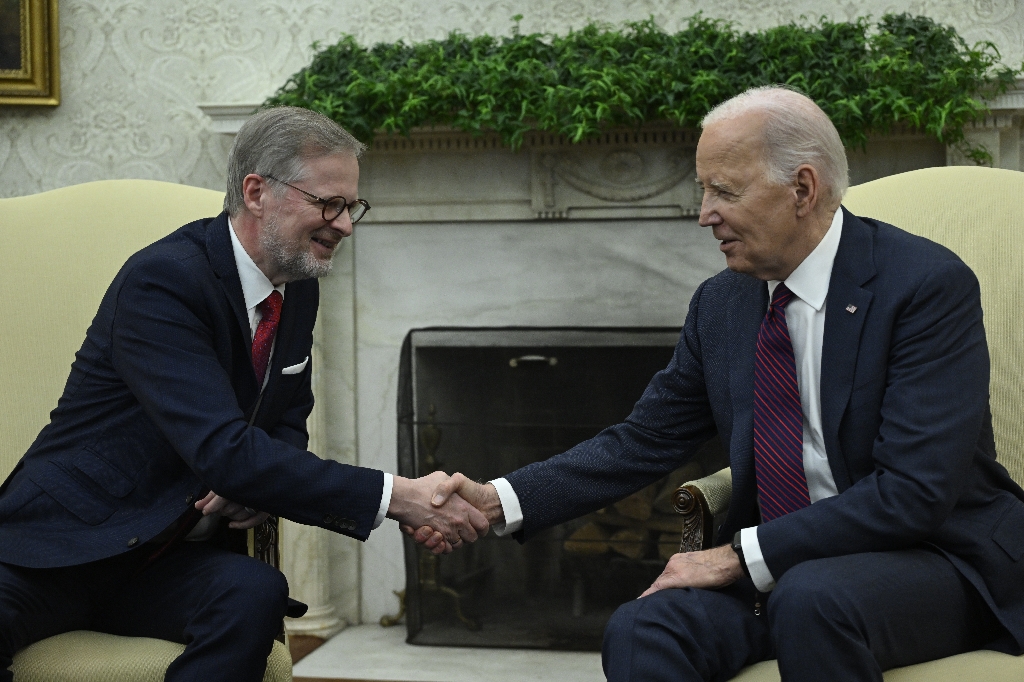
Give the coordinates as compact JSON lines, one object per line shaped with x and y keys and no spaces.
{"x":908,"y":71}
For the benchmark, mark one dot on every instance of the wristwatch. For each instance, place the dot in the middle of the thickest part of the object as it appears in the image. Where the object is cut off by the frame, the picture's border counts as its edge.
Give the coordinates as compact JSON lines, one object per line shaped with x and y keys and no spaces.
{"x":737,"y":546}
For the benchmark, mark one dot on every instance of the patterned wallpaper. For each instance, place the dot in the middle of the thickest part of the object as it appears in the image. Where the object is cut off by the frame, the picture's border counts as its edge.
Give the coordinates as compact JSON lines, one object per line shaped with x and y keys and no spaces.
{"x":133,"y":71}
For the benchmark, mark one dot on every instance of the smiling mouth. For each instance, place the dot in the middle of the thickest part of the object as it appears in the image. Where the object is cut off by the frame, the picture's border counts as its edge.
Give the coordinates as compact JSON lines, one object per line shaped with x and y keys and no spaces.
{"x":329,"y":245}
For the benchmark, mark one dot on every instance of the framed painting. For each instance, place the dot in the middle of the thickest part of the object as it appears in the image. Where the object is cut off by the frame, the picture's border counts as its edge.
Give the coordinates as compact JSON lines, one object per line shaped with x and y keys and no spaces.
{"x":29,"y":52}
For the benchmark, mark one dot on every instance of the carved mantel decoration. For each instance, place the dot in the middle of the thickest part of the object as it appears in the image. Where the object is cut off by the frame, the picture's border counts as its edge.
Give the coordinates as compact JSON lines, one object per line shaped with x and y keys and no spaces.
{"x":647,"y":173}
{"x":446,"y":175}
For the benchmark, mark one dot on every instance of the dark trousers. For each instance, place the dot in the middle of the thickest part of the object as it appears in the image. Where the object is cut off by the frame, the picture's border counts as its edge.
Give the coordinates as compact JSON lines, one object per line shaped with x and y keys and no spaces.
{"x":844,"y":618}
{"x":225,"y":607}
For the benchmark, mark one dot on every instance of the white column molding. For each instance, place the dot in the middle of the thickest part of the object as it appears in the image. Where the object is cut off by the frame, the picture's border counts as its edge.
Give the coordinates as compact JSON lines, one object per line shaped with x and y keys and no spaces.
{"x":1001,"y":132}
{"x":304,"y":549}
{"x":227,"y":118}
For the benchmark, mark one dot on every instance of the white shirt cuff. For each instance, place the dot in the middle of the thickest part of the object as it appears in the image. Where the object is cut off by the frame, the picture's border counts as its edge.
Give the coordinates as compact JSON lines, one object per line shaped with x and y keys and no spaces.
{"x":385,"y":500}
{"x":759,"y":573}
{"x":510,"y":505}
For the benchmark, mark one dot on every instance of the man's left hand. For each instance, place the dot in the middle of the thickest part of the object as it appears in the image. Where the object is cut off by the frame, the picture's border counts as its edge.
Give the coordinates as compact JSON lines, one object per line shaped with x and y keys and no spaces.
{"x":242,"y":517}
{"x":707,"y":569}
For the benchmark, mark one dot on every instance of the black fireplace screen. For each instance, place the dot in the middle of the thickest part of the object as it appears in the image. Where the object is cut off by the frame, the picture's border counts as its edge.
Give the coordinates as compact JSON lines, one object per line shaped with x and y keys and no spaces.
{"x":488,"y":401}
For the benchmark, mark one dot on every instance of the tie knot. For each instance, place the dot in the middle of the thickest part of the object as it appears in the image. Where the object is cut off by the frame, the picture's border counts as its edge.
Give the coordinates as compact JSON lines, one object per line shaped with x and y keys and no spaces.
{"x":270,"y":307}
{"x":781,"y":296}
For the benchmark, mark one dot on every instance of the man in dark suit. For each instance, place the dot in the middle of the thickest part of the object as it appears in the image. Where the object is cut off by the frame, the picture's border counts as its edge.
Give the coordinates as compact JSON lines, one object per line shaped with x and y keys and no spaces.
{"x":183,"y":419}
{"x":844,"y":366}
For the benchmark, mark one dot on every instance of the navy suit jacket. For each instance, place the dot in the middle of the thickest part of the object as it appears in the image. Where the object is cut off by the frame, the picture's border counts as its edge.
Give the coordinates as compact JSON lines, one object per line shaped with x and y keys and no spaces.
{"x":156,"y":409}
{"x":905,"y":416}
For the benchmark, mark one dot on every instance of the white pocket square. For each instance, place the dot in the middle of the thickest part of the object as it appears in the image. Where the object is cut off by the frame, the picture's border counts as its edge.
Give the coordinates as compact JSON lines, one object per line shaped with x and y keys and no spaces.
{"x":295,"y":369}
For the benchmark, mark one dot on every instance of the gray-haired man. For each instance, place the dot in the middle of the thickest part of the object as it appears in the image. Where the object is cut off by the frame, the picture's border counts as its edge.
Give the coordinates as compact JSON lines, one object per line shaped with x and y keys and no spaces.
{"x":843,"y":364}
{"x":183,"y":421}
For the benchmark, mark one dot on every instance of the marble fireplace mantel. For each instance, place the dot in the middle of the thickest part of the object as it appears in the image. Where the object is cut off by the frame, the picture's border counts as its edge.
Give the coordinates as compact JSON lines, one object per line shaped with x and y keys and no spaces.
{"x":467,"y":232}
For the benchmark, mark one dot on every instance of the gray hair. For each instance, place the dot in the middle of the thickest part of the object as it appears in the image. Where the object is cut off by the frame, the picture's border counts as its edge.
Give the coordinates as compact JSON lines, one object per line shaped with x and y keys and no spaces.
{"x":796,"y":132}
{"x":278,"y":141}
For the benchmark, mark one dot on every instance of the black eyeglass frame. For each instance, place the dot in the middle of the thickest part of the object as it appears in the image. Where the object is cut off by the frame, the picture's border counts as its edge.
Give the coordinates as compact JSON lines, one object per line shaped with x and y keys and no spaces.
{"x":325,"y":203}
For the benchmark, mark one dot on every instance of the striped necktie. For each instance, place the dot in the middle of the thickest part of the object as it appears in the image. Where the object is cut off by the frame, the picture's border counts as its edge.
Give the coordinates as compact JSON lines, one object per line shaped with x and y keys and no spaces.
{"x":778,"y":417}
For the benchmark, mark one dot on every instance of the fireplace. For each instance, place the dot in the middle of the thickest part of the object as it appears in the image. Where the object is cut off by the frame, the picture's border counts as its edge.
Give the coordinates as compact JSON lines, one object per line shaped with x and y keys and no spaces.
{"x":487,"y":401}
{"x":466,"y":232}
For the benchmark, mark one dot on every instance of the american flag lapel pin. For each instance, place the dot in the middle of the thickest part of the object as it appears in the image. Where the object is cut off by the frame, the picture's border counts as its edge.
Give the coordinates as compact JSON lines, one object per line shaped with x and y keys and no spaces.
{"x":851,"y":308}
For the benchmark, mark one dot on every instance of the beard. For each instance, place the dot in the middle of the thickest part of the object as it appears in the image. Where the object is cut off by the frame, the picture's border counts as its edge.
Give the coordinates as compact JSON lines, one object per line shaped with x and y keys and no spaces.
{"x":293,"y":259}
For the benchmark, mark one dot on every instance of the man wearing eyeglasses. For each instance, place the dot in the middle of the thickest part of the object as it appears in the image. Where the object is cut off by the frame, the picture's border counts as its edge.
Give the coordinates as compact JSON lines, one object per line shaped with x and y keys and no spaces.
{"x":183,"y":419}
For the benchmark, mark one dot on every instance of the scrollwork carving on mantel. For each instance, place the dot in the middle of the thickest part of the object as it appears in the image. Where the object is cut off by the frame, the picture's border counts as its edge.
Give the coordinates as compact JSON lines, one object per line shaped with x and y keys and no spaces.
{"x":444,"y":174}
{"x":612,"y":178}
{"x":642,"y":173}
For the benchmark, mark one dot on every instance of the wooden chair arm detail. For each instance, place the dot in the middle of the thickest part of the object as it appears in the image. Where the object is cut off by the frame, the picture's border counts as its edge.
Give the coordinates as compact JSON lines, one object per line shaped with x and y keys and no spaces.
{"x":689,"y":502}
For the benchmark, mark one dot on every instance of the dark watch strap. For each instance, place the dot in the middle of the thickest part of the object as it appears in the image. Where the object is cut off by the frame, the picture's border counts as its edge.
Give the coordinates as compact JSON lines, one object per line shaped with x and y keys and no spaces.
{"x":737,"y":546}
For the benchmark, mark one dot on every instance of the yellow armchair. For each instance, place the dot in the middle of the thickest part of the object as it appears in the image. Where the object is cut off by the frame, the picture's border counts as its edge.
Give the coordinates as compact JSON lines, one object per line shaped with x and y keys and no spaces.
{"x":978,"y":214}
{"x":61,"y":250}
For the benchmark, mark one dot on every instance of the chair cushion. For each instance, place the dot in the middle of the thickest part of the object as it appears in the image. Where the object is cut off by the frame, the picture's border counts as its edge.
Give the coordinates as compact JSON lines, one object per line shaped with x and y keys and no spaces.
{"x":990,"y":666}
{"x":84,"y":656}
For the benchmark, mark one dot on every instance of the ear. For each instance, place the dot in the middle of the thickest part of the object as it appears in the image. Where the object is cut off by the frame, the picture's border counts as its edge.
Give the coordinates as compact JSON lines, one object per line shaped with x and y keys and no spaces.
{"x":807,"y":189}
{"x":254,"y":193}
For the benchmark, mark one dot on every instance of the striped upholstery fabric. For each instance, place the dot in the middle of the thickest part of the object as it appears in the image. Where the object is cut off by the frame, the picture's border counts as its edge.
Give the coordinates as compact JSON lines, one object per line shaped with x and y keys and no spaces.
{"x":61,"y":250}
{"x":978,"y":213}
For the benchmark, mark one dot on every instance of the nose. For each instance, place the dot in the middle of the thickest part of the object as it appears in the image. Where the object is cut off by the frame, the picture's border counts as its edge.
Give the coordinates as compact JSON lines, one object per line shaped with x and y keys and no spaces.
{"x":708,"y":215}
{"x":343,"y":224}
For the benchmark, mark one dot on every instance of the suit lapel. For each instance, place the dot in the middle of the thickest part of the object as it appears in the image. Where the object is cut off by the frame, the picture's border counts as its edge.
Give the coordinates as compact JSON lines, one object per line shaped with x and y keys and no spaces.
{"x":746,"y":310}
{"x":846,"y":311}
{"x":222,"y":259}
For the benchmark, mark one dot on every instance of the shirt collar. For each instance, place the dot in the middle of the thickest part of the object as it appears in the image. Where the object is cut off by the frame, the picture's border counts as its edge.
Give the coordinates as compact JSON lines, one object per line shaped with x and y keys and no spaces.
{"x":809,"y":282}
{"x":255,"y":285}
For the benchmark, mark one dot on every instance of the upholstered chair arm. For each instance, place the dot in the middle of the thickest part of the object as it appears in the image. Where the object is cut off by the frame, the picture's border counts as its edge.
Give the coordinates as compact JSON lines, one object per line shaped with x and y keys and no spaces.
{"x":699,"y":502}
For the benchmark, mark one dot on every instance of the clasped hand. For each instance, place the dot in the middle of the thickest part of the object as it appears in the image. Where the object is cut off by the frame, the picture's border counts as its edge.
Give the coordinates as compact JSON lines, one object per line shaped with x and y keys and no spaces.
{"x":708,"y":569}
{"x":480,"y":500}
{"x":242,"y":517}
{"x":441,"y":524}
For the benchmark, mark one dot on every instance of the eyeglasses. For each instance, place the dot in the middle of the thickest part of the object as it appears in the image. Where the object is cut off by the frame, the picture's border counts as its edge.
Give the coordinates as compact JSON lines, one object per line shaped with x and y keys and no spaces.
{"x":333,"y":206}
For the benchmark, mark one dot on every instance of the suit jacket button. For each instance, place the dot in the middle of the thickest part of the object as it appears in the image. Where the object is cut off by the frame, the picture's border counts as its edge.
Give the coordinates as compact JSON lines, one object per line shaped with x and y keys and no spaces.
{"x":133,"y":542}
{"x":329,"y":519}
{"x":189,"y":498}
{"x":351,"y":525}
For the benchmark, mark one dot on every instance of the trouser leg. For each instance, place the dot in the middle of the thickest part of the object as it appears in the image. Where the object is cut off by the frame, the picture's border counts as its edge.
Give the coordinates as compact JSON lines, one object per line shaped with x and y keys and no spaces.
{"x":226,"y":608}
{"x":36,"y":603}
{"x":851,"y":617}
{"x":684,"y":635}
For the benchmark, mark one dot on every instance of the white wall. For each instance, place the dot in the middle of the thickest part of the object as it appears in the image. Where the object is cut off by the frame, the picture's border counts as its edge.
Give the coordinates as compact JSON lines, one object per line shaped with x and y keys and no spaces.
{"x":133,"y":71}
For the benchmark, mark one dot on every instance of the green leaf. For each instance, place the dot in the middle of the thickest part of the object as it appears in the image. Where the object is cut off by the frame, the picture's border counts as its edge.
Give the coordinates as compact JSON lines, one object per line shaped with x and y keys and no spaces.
{"x":904,"y":70}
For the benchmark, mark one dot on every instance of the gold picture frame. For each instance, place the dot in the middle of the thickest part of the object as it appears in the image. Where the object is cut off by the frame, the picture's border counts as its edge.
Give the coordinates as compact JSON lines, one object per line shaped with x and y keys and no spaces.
{"x":29,"y":52}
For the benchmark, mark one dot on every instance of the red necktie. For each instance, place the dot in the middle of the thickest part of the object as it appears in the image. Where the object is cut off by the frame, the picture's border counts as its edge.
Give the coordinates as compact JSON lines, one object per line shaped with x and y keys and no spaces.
{"x":778,"y":417}
{"x":263,"y":341}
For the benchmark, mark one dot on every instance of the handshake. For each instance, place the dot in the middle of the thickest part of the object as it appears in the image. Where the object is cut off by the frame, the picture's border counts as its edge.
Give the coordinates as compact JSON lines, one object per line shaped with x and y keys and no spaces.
{"x":441,"y":512}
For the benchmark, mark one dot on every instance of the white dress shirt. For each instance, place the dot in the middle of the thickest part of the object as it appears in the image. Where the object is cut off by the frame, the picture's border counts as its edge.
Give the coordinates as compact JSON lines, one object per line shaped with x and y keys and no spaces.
{"x":805,"y":317}
{"x":255,"y":289}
